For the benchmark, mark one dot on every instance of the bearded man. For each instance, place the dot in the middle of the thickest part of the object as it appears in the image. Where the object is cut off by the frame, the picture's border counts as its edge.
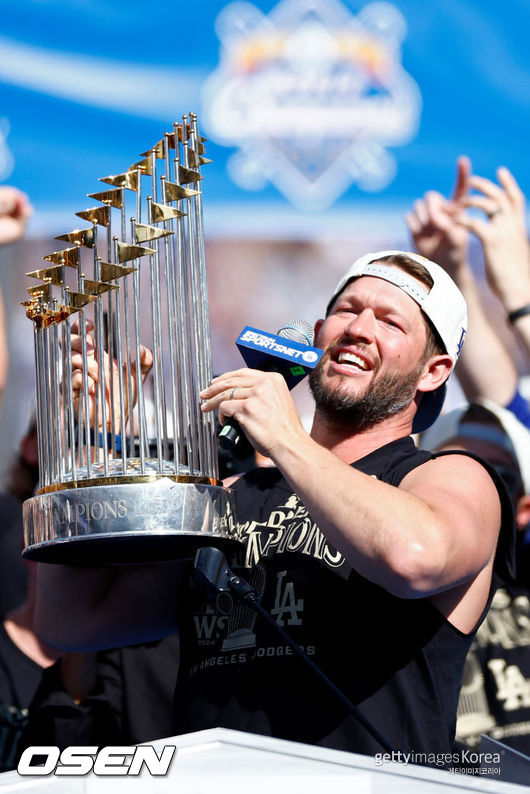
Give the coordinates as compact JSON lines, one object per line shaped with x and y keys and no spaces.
{"x":376,"y":557}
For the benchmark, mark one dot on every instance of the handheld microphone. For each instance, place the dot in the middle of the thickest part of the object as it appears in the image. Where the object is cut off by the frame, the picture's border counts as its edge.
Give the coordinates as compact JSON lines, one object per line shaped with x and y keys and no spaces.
{"x":288,"y":352}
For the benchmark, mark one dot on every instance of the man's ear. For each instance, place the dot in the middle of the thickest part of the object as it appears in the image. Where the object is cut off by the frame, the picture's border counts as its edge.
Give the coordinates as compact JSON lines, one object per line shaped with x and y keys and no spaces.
{"x":522,"y":512}
{"x":318,"y":326}
{"x":435,"y":372}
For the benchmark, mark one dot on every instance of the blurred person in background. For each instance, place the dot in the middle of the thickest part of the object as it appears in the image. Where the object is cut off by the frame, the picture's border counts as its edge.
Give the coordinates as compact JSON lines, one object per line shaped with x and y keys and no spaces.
{"x":23,"y":656}
{"x":495,"y":697}
{"x":440,"y":230}
{"x":504,"y":240}
{"x":15,"y":211}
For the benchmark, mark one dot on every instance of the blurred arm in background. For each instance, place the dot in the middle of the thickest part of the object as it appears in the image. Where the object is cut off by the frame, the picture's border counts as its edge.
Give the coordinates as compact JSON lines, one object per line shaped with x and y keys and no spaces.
{"x":439,"y":229}
{"x":15,"y":211}
{"x":504,"y":239}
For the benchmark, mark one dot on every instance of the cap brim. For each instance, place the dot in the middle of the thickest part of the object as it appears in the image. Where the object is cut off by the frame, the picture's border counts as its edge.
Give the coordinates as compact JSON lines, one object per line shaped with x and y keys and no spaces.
{"x":429,"y":409}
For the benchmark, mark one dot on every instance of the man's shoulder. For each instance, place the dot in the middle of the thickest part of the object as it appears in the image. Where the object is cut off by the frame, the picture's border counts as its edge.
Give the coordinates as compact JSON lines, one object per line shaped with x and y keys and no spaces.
{"x":392,"y":461}
{"x":456,"y":468}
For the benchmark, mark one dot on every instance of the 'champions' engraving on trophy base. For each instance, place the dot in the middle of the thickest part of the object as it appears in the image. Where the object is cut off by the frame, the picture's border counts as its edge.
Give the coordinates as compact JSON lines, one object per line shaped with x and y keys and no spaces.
{"x":73,"y":512}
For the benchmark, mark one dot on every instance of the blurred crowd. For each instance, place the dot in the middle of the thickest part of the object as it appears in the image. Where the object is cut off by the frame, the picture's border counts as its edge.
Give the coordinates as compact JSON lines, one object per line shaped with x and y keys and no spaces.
{"x":125,"y":696}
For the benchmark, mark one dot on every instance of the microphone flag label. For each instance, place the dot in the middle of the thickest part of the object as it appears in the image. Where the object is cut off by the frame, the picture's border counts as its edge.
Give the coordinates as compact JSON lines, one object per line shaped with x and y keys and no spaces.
{"x":262,"y":350}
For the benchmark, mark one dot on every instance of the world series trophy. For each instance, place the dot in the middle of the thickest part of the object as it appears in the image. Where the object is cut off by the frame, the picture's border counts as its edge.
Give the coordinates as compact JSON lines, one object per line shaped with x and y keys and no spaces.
{"x":128,"y":464}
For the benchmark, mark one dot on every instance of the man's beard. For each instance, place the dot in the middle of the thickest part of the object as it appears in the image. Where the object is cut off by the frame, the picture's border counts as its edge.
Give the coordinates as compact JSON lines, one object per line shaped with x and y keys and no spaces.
{"x":383,"y":397}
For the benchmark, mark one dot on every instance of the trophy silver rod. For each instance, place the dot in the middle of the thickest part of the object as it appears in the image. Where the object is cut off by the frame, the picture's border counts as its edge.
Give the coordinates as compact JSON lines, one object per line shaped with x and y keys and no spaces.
{"x":130,"y":388}
{"x":142,"y":430}
{"x":39,"y":404}
{"x":51,"y":394}
{"x":110,"y":347}
{"x":156,"y":357}
{"x":185,"y":310}
{"x":183,"y":369}
{"x":64,"y":394}
{"x":140,"y":410}
{"x":58,"y":412}
{"x":46,"y":406}
{"x":86,"y":397}
{"x":96,"y":443}
{"x":55,"y":401}
{"x":127,"y":356}
{"x":172,"y":327}
{"x":67,"y":342}
{"x":182,"y":349}
{"x":199,"y":382}
{"x":100,"y":360}
{"x":206,"y":347}
{"x":139,"y":196}
{"x":121,"y":390}
{"x":156,"y":257}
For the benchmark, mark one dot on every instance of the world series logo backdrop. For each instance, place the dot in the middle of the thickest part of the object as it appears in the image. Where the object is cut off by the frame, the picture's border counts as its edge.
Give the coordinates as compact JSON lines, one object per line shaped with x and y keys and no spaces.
{"x":312,"y":96}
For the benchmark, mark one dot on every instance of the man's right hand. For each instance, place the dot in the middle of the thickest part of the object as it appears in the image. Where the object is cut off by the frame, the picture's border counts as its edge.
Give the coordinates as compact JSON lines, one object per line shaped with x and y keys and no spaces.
{"x":433,"y":224}
{"x":93,"y":377}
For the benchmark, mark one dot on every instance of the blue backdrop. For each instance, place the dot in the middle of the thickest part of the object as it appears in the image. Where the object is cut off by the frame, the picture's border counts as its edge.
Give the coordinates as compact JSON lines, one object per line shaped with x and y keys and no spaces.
{"x":381,"y":97}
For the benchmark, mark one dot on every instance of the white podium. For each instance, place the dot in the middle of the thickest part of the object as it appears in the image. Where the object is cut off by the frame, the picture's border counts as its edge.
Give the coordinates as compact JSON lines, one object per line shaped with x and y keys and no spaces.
{"x":222,"y":761}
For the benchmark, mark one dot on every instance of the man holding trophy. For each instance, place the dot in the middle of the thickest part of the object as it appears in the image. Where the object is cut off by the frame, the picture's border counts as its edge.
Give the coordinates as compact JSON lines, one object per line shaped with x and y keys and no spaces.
{"x":376,"y":558}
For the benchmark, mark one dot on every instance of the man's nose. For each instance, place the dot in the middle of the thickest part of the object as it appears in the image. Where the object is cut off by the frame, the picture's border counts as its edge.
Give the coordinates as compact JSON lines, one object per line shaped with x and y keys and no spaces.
{"x":362,"y":325}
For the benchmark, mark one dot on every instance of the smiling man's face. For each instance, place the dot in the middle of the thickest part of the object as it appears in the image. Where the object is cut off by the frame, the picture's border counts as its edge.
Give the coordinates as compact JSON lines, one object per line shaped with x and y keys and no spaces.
{"x":374,"y":341}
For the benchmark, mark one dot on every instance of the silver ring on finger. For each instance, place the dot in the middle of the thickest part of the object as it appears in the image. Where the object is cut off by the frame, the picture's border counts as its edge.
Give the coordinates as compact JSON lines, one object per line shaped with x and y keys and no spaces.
{"x":233,"y":392}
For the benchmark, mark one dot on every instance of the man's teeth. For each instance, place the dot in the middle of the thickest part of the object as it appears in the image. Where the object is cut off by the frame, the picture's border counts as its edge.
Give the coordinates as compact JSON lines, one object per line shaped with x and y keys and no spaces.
{"x":351,"y":358}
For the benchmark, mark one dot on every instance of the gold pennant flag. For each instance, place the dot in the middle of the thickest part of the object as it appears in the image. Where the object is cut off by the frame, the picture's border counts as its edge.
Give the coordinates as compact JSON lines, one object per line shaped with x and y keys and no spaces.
{"x":34,"y":312}
{"x":109,"y":272}
{"x":187,"y":175}
{"x":129,"y":180}
{"x":68,"y":257}
{"x":163,"y":212}
{"x":193,"y":158}
{"x":97,"y":287}
{"x":159,"y":150}
{"x":51,"y":274}
{"x":80,"y":299}
{"x":113,"y":198}
{"x":176,"y":192}
{"x":43,"y":292}
{"x":183,"y":132}
{"x":145,"y":233}
{"x":84,"y":237}
{"x":58,"y":315}
{"x":196,"y":160}
{"x":99,"y":215}
{"x":201,"y":148}
{"x":145,"y":166}
{"x":126,"y":252}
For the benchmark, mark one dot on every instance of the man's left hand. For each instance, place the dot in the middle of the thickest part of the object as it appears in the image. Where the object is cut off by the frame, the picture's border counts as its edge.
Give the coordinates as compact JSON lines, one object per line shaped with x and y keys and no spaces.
{"x":260,"y":402}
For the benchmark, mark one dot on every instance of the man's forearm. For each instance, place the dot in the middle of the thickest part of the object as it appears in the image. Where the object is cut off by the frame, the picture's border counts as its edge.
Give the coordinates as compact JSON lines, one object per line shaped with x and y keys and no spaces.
{"x":88,"y":609}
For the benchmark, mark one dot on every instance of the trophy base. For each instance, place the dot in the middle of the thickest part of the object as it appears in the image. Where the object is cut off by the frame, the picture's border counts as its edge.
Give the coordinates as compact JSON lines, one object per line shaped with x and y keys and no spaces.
{"x":129,"y":523}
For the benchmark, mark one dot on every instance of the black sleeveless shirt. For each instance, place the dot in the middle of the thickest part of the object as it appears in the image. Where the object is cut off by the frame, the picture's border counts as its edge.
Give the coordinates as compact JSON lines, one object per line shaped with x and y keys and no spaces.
{"x":398,"y":659}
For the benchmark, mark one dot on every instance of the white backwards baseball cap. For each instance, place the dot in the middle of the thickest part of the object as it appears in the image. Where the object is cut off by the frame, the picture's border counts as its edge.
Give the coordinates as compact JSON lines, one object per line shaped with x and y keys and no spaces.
{"x":461,"y":423}
{"x":443,"y":304}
